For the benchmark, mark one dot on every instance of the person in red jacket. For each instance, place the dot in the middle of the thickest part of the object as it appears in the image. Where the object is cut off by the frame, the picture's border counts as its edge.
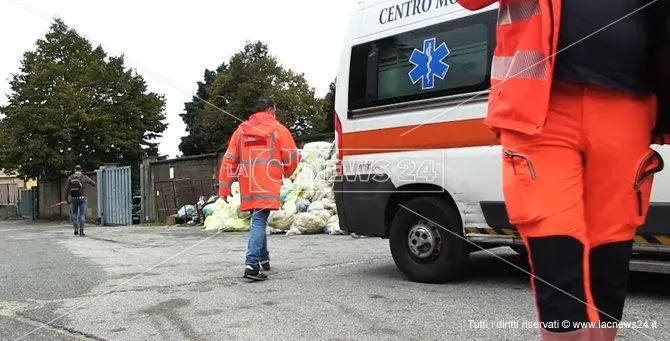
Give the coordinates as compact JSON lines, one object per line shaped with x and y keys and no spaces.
{"x":260,"y":152}
{"x":576,"y":99}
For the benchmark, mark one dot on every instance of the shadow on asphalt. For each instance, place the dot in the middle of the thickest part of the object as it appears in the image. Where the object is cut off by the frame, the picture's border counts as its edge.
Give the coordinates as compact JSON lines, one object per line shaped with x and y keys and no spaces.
{"x":386,"y":271}
{"x":483,"y":268}
{"x":649,"y":285}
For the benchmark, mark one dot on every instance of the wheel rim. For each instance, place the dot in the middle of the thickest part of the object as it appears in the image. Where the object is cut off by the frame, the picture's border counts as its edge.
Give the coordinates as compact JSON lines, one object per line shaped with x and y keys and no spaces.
{"x":424,"y":241}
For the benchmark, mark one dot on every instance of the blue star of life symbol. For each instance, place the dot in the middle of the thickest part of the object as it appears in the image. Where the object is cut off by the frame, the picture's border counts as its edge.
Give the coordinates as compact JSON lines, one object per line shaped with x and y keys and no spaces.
{"x":429,"y":64}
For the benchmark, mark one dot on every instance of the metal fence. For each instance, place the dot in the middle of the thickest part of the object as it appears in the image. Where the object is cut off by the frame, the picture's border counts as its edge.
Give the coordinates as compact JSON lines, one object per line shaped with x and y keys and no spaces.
{"x":173,"y":194}
{"x":115,"y":195}
{"x":9,"y":194}
{"x":28,"y":203}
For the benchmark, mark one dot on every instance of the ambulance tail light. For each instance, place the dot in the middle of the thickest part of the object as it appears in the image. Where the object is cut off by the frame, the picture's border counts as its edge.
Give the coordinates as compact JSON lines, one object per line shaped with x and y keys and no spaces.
{"x":338,"y":142}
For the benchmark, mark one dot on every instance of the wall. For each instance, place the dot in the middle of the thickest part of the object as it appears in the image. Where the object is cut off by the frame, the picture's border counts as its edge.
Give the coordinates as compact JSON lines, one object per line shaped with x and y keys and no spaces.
{"x":53,"y":191}
{"x":9,"y":212}
{"x":9,"y":188}
{"x":9,"y":193}
{"x":10,"y":178}
{"x":170,"y":184}
{"x":31,"y":183}
{"x":166,"y":190}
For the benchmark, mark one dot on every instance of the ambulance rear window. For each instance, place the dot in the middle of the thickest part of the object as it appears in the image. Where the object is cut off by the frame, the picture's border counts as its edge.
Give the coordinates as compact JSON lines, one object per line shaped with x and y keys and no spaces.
{"x":449,"y":58}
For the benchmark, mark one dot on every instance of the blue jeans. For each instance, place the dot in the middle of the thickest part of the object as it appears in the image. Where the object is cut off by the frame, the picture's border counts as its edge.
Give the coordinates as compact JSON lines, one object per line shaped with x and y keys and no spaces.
{"x":78,"y":212}
{"x":257,"y":249}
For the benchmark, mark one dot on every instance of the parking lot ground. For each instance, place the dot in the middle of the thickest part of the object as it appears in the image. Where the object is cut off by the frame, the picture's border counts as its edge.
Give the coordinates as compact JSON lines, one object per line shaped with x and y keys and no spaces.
{"x":149,"y":283}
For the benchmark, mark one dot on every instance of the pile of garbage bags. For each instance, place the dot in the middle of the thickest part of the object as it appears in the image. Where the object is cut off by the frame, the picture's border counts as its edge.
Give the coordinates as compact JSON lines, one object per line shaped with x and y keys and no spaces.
{"x":188,"y":214}
{"x":307,"y":199}
{"x":226,"y":216}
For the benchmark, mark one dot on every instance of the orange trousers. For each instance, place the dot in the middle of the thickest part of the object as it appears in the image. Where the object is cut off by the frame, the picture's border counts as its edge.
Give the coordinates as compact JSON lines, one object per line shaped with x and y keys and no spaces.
{"x":577,"y":192}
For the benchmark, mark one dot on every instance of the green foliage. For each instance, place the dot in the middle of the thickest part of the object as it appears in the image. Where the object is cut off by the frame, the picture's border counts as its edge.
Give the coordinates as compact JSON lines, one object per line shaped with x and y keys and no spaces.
{"x":230,"y":94}
{"x":72,"y":104}
{"x":192,"y":144}
{"x":328,"y":105}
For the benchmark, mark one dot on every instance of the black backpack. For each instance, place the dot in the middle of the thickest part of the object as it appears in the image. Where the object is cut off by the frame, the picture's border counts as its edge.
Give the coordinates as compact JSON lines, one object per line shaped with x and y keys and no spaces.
{"x":76,"y":187}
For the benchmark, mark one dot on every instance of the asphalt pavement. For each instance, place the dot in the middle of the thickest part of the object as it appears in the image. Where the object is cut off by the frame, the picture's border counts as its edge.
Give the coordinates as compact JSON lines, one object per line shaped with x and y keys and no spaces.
{"x":149,"y":283}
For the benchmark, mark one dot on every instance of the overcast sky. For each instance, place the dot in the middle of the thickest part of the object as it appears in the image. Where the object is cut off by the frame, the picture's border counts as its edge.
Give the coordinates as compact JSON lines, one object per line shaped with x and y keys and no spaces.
{"x":170,"y":43}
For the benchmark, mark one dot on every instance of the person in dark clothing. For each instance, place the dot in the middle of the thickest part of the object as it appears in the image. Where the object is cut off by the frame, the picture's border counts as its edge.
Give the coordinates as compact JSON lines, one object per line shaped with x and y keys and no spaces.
{"x":76,"y":191}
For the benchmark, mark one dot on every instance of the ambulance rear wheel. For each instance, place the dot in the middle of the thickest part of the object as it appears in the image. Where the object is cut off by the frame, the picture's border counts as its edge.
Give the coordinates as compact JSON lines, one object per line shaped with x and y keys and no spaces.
{"x":426,"y":240}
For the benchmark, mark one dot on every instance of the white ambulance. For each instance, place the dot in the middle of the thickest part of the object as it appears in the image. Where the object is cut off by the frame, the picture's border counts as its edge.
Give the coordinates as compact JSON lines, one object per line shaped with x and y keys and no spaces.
{"x":415,"y":155}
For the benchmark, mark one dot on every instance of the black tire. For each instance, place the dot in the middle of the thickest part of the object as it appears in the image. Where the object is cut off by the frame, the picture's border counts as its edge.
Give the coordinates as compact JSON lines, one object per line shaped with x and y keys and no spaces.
{"x":449,"y":262}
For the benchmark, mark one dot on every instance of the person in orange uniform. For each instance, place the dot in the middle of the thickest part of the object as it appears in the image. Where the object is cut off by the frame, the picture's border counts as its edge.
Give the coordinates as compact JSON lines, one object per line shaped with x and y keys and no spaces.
{"x":260,"y":152}
{"x":578,"y":94}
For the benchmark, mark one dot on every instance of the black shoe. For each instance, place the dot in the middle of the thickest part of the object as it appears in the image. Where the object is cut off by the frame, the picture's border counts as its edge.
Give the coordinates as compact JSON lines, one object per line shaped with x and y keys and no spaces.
{"x":82,"y":234}
{"x":76,"y":232}
{"x":265,"y":265}
{"x":254,"y":274}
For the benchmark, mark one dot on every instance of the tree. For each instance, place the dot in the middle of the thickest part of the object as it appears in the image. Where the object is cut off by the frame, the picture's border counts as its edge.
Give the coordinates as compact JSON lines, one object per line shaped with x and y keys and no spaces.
{"x":249,"y":74}
{"x":328,"y":105}
{"x":72,"y":104}
{"x":192,"y":144}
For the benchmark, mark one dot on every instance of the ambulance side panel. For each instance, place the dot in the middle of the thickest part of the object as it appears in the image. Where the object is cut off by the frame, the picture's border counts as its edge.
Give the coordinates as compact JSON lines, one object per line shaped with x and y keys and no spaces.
{"x":413,"y":137}
{"x":378,"y":102}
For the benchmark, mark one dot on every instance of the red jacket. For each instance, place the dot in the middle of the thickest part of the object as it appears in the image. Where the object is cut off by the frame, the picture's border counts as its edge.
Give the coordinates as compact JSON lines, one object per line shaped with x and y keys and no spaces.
{"x":523,"y":63}
{"x":260,"y":151}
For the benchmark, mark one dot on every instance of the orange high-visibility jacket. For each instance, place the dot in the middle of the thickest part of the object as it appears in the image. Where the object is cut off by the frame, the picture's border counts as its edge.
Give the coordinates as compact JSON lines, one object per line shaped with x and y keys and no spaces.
{"x":260,"y":152}
{"x":523,"y":63}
